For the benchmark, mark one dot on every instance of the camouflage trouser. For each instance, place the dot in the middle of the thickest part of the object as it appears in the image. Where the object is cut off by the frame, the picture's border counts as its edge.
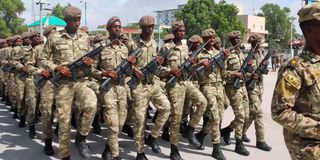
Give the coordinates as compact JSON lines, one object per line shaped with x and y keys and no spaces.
{"x":226,"y":102}
{"x":240,"y":105}
{"x":114,"y":114}
{"x":140,"y":102}
{"x":2,"y":82}
{"x":12,"y":90}
{"x":215,"y":97}
{"x":130,"y":116}
{"x":46,"y":109}
{"x":177,"y":96}
{"x":256,"y":113}
{"x":301,"y":148}
{"x":5,"y":81}
{"x":20,"y":88}
{"x":31,"y":99}
{"x":65,"y":95}
{"x":189,"y":109}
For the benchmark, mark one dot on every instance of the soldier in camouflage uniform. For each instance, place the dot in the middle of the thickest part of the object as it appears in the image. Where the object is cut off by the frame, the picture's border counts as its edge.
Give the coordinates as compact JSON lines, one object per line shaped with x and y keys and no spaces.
{"x":255,"y":98}
{"x":239,"y":100}
{"x":295,"y":102}
{"x":18,"y":55}
{"x":115,"y":99}
{"x":211,"y":85}
{"x":148,"y":91}
{"x":3,"y":45}
{"x":61,"y":49}
{"x":183,"y":89}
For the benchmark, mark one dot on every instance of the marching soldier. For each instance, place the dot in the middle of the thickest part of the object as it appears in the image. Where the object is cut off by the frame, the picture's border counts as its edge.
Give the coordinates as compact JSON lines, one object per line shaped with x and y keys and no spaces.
{"x":295,"y":102}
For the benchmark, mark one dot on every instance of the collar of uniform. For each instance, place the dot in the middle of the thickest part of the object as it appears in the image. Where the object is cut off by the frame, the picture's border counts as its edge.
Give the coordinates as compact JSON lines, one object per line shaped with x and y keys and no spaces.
{"x":205,"y":51}
{"x":114,"y":46}
{"x":64,"y":33}
{"x":147,"y":44}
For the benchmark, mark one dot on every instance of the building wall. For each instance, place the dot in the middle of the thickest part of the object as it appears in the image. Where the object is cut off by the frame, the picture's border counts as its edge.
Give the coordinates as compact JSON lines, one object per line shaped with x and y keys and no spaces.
{"x":165,"y":17}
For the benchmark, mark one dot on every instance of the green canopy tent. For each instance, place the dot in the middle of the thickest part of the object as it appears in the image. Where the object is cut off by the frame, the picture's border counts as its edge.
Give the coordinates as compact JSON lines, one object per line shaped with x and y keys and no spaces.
{"x":49,"y":21}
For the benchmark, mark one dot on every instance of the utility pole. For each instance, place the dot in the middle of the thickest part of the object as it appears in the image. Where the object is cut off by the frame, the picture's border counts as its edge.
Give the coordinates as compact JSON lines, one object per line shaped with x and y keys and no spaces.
{"x":41,"y":3}
{"x":85,"y":11}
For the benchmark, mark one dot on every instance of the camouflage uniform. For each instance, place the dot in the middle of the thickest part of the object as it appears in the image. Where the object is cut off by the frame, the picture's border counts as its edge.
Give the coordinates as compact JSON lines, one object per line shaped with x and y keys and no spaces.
{"x":61,"y":49}
{"x":144,"y":93}
{"x":114,"y":100}
{"x":10,"y":81}
{"x":295,"y":102}
{"x":238,"y":97}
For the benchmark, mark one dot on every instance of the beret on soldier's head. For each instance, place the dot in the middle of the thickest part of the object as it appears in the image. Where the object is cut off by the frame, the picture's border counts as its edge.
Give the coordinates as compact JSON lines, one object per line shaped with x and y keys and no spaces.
{"x":15,"y":37}
{"x":146,"y":21}
{"x":9,"y":38}
{"x":112,"y":20}
{"x":309,"y":12}
{"x":48,"y":30}
{"x":168,"y":37}
{"x":2,"y":40}
{"x":195,"y":39}
{"x":208,"y":33}
{"x":217,"y":39}
{"x":176,"y":25}
{"x":234,"y":34}
{"x":34,"y":33}
{"x":71,"y":12}
{"x":26,"y":35}
{"x":254,"y":38}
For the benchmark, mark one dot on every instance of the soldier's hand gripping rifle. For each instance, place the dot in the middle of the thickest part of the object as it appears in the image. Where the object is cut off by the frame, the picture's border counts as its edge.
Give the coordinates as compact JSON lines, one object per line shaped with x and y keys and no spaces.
{"x":245,"y":67}
{"x":151,"y":68}
{"x":125,"y":67}
{"x":79,"y":63}
{"x":262,"y":69}
{"x":186,"y":66}
{"x":216,"y":60}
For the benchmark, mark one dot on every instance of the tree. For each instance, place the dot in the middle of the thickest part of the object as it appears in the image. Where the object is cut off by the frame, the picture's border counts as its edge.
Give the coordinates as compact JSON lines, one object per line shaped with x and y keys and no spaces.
{"x":199,"y":15}
{"x":10,"y":23}
{"x":58,"y":11}
{"x":278,"y":24}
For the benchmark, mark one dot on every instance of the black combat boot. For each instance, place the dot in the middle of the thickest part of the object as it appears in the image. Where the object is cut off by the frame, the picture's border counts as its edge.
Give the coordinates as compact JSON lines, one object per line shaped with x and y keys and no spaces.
{"x":15,"y":113}
{"x":263,"y":146}
{"x":200,"y":137}
{"x":240,"y":149}
{"x":165,"y":134}
{"x":32,"y":131}
{"x":225,"y":133}
{"x":189,"y":134}
{"x":245,"y":138}
{"x":12,"y":109}
{"x":96,"y":125}
{"x":127,"y":129}
{"x":8,"y":101}
{"x":56,"y":130}
{"x":217,"y":153}
{"x":48,"y":149}
{"x":116,"y":158}
{"x":106,"y":155}
{"x":83,"y":147}
{"x":22,"y":122}
{"x":141,"y":156}
{"x":183,"y":127}
{"x":153,"y":143}
{"x":73,"y":120}
{"x":66,"y":158}
{"x":205,"y":120}
{"x":174,"y":154}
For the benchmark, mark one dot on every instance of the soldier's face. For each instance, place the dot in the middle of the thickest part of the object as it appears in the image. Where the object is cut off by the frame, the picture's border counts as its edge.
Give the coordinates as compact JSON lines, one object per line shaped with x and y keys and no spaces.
{"x":115,"y":29}
{"x":194,"y":45}
{"x":18,"y":42}
{"x":73,"y":24}
{"x":235,"y":40}
{"x":9,"y":43}
{"x":211,"y":40}
{"x":180,"y":33}
{"x":217,"y":45}
{"x":147,"y":30}
{"x":27,"y":41}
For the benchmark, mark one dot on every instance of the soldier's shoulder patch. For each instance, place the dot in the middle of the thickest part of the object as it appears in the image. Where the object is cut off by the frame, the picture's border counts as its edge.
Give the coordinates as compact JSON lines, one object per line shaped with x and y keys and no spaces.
{"x":293,"y":80}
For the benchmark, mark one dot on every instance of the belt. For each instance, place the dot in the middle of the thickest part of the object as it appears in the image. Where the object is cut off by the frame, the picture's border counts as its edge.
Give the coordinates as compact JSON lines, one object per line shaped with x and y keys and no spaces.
{"x":212,"y":84}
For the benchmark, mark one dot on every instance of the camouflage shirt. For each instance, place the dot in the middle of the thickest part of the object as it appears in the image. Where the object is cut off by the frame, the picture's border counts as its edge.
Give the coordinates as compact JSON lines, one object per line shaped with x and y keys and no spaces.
{"x":295,"y":103}
{"x":34,"y":63}
{"x":233,"y":64}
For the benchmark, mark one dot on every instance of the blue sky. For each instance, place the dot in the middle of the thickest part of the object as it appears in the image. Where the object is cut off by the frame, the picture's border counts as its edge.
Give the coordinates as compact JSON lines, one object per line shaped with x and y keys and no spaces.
{"x":99,"y":11}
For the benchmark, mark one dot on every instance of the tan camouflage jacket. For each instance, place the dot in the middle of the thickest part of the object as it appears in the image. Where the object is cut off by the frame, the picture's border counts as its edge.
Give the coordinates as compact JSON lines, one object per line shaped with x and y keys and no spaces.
{"x":295,"y":103}
{"x":233,"y":64}
{"x":20,"y":55}
{"x":34,"y":65}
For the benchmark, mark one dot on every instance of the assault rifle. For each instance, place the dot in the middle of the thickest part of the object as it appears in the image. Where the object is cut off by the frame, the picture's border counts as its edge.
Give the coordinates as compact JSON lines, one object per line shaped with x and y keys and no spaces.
{"x":186,"y":66}
{"x":124,"y":67}
{"x":262,"y":69}
{"x":215,"y":60}
{"x":151,"y":68}
{"x":245,"y":67}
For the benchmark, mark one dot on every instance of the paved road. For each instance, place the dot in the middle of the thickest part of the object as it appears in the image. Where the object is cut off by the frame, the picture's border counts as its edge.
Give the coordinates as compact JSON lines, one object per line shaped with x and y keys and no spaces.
{"x":16,"y":145}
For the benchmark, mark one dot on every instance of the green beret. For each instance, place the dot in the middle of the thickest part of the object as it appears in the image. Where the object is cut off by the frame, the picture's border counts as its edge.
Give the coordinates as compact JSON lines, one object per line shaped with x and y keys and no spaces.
{"x":208,"y":33}
{"x":309,"y":12}
{"x":234,"y":34}
{"x":146,"y":21}
{"x":168,"y":37}
{"x":71,"y":12}
{"x":176,"y":25}
{"x":112,"y":20}
{"x":254,"y":38}
{"x":195,"y":39}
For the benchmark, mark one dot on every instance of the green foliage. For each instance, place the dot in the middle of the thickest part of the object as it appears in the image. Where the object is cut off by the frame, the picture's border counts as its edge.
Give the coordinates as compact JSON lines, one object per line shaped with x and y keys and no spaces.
{"x":10,"y":23}
{"x":58,"y":11}
{"x":278,"y":24}
{"x":199,"y":15}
